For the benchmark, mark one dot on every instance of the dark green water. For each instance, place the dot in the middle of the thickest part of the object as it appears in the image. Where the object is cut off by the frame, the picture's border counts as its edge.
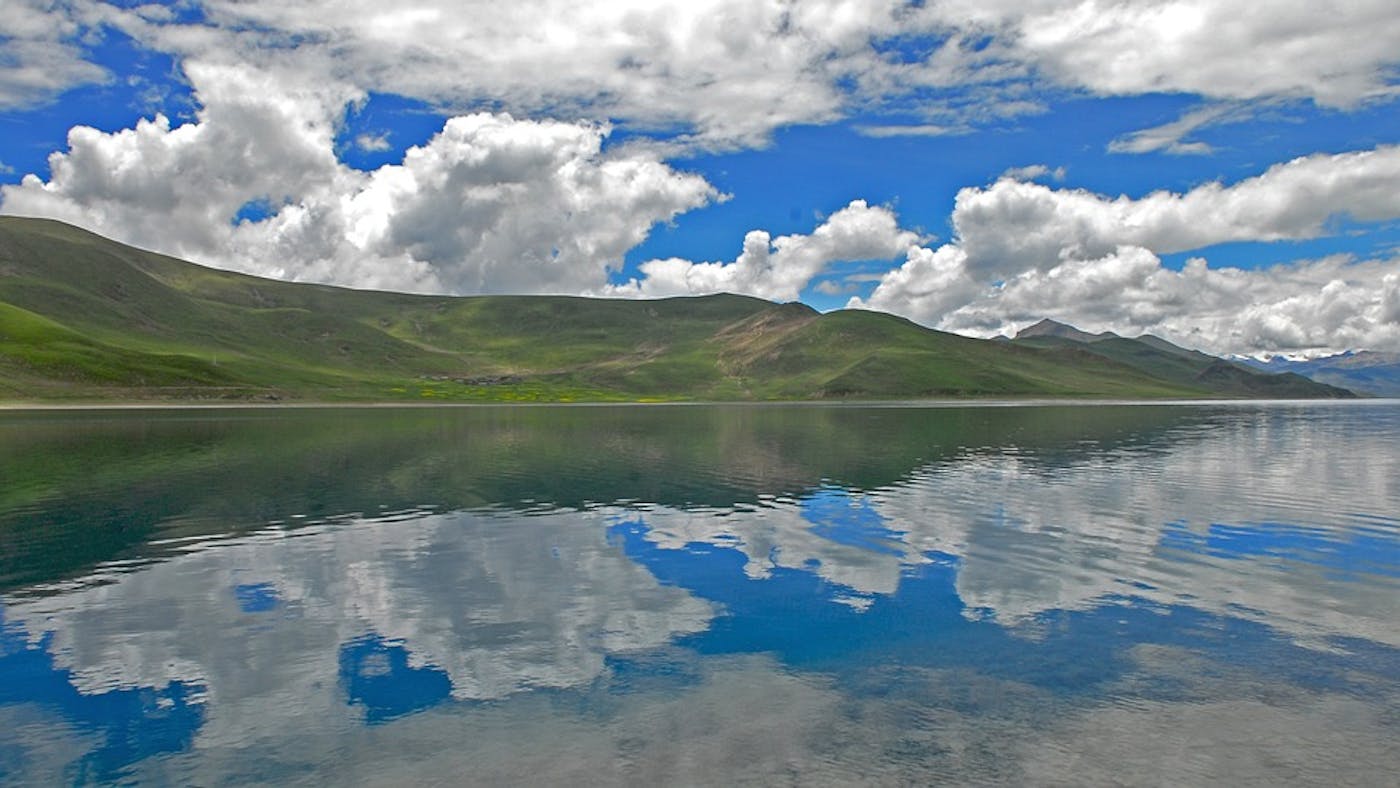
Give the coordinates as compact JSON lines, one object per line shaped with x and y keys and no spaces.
{"x":1166,"y":594}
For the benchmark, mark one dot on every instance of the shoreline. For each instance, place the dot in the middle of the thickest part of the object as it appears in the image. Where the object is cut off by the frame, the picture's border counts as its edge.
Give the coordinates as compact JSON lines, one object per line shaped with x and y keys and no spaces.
{"x":137,"y":405}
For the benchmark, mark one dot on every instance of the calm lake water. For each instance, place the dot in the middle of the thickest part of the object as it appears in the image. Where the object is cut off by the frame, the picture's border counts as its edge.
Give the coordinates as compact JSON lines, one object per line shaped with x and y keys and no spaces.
{"x":1165,"y":594}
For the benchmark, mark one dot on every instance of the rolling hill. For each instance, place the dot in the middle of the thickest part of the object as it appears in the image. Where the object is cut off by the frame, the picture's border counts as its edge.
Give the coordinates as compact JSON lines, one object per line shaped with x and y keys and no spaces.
{"x":86,"y":318}
{"x":1177,"y":365}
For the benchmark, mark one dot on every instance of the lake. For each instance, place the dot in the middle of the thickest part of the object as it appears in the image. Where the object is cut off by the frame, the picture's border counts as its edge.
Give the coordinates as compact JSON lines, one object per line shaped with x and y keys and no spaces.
{"x":1033,"y":595}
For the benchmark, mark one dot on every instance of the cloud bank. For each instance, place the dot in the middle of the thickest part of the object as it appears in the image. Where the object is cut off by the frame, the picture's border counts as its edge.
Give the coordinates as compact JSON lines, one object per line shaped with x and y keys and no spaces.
{"x":1023,"y":251}
{"x":731,"y":71}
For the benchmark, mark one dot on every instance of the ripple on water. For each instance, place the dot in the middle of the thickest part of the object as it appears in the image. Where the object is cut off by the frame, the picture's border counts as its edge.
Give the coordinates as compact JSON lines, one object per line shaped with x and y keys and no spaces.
{"x":1165,"y":594}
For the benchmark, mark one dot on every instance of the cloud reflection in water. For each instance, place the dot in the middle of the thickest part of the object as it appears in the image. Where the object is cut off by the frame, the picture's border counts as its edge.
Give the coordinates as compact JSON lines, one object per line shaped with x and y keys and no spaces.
{"x":925,"y":578}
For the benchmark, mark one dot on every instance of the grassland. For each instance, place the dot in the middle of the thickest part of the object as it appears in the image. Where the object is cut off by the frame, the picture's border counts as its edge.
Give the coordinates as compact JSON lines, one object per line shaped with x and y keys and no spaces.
{"x":83,"y":318}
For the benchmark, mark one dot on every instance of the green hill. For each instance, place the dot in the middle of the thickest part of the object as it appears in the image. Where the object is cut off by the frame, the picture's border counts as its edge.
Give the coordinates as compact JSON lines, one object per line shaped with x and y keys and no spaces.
{"x":1177,"y":365}
{"x":86,"y":318}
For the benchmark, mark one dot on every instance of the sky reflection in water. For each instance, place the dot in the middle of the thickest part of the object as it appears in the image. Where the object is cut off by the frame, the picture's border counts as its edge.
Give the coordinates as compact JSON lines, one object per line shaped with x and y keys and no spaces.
{"x":1169,"y":594}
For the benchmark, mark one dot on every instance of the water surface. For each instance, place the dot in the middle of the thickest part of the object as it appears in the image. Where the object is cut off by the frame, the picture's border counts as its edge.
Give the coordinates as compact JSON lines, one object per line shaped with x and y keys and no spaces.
{"x":1165,"y":594}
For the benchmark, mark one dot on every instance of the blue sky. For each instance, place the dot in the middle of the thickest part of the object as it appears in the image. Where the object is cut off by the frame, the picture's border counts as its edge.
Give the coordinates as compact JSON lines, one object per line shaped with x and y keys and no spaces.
{"x":1229,"y":179}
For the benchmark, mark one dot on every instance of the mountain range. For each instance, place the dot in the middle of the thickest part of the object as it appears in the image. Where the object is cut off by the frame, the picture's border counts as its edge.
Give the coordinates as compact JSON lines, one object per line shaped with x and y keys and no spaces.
{"x":86,"y":318}
{"x":1364,"y":371}
{"x":1157,"y":357}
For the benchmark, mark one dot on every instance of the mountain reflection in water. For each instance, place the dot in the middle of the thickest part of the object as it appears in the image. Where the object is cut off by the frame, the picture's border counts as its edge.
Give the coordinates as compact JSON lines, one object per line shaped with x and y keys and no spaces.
{"x":1165,"y":593}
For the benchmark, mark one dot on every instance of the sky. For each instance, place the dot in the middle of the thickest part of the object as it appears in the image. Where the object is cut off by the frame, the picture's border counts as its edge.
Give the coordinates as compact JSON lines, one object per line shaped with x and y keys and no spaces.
{"x":1223,"y":175}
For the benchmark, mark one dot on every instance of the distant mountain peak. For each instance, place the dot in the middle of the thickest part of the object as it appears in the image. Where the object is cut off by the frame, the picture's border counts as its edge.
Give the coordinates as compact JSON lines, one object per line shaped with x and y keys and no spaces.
{"x":1370,"y":372}
{"x":1053,"y":328}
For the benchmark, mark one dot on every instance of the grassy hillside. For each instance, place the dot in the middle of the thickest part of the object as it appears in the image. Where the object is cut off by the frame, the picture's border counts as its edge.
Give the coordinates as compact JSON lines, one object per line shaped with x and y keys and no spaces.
{"x":1179,"y":366}
{"x":86,"y":318}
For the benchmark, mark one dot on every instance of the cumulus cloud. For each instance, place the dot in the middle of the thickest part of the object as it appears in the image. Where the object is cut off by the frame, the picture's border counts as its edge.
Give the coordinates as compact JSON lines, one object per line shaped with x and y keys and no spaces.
{"x":929,"y":284}
{"x":1011,"y":224}
{"x":176,"y":189}
{"x":1023,"y":251}
{"x":1323,"y":305}
{"x":498,"y":205}
{"x":490,"y":204}
{"x":779,"y":268}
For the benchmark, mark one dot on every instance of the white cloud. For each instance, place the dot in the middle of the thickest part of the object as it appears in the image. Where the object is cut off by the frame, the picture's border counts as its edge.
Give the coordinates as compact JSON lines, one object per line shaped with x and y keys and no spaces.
{"x":1024,"y":251}
{"x":919,"y":130}
{"x":490,"y":204}
{"x":1171,"y":137}
{"x":929,"y":284}
{"x":1034,"y":172}
{"x":1390,"y":299}
{"x":779,"y":268}
{"x":499,"y":205}
{"x":1012,"y":225}
{"x":834,"y":287}
{"x":176,"y":189}
{"x":39,"y":54}
{"x":728,"y":72}
{"x":1339,"y":56}
{"x":848,"y":284}
{"x":1322,"y":305}
{"x":372,"y":142}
